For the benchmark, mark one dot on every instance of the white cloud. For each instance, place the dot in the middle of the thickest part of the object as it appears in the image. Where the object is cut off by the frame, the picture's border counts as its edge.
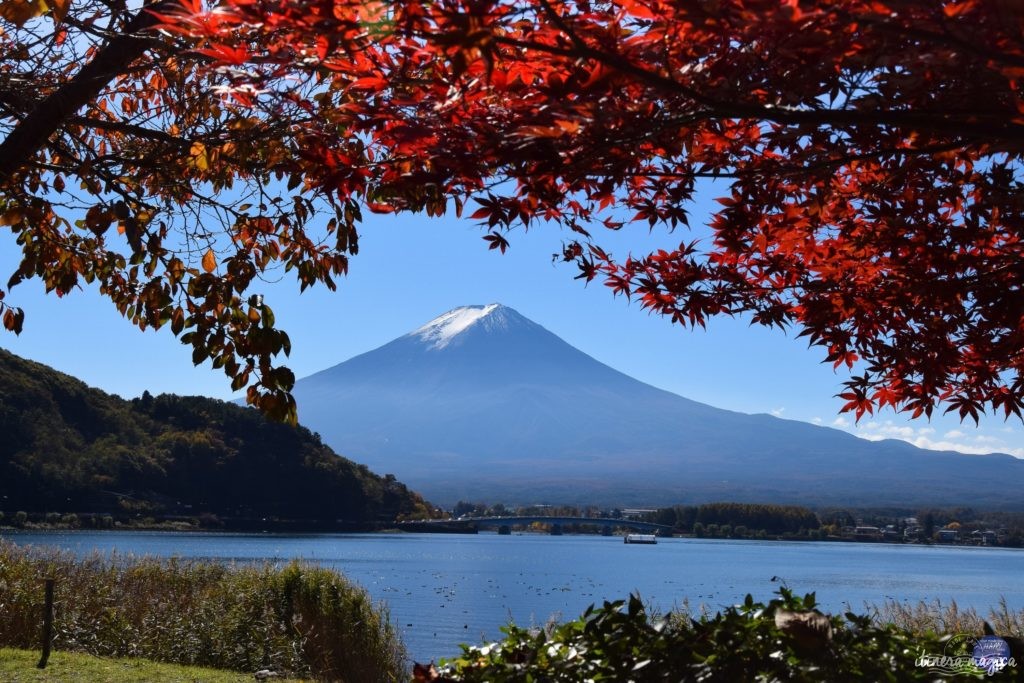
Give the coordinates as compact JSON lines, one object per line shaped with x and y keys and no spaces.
{"x":953,"y":440}
{"x":996,"y":446}
{"x":817,"y":420}
{"x":777,"y":412}
{"x":841,"y":422}
{"x":876,"y":431}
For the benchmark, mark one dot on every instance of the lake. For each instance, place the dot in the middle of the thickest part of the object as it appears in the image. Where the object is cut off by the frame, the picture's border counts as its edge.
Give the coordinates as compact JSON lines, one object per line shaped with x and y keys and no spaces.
{"x":446,"y":589}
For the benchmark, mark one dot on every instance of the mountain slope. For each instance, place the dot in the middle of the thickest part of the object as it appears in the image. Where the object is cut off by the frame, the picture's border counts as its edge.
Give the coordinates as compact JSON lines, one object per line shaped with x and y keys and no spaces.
{"x":482,"y":403}
{"x":68,"y":447}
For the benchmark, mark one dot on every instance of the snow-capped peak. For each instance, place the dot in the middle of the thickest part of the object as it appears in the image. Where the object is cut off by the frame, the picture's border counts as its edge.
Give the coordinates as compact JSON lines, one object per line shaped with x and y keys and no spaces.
{"x":440,"y":331}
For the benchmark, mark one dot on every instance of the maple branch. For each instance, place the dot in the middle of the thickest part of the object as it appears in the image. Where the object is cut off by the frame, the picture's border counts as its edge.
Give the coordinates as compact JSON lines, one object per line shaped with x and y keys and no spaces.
{"x":987,"y":128}
{"x":136,"y":130}
{"x":775,"y":168}
{"x":845,"y":159}
{"x":32,"y":132}
{"x":87,"y":28}
{"x":946,"y":38}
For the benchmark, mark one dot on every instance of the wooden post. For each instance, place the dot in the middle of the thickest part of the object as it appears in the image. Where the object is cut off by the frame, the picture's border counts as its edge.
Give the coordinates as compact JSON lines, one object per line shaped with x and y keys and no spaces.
{"x":47,"y":624}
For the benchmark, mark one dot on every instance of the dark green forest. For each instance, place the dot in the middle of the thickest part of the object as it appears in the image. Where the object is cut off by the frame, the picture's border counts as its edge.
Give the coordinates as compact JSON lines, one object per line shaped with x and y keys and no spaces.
{"x":66,"y":447}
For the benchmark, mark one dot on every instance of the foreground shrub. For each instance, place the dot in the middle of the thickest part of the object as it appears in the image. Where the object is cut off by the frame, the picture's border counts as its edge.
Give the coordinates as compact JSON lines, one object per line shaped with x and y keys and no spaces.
{"x":785,"y":640}
{"x":299,"y":619}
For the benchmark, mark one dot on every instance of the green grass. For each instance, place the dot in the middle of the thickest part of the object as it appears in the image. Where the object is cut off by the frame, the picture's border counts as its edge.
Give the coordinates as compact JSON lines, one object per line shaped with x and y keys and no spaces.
{"x":19,"y":666}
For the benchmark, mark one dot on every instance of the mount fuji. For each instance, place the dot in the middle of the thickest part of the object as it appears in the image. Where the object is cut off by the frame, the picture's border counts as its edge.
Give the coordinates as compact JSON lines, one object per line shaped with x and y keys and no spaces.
{"x":481,"y":403}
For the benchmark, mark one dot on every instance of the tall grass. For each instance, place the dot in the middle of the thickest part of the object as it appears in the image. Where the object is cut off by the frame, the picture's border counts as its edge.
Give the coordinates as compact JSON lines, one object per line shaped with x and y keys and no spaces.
{"x":917,"y":618}
{"x":947,"y":618}
{"x":297,"y":619}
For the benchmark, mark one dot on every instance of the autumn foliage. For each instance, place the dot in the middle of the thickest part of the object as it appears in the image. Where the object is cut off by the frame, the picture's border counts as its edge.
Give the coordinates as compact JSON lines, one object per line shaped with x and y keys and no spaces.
{"x":866,"y":158}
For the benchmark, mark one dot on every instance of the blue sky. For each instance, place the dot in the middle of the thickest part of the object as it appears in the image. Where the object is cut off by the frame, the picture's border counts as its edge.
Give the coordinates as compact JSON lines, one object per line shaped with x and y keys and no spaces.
{"x":411,"y":269}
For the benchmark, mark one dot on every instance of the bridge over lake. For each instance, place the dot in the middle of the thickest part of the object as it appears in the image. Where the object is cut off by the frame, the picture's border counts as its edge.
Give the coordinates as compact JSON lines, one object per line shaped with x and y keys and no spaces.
{"x":469,"y":523}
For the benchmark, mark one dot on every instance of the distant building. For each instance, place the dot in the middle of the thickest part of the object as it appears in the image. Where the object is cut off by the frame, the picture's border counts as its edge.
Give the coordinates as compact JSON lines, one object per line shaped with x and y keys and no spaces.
{"x":947,"y":535}
{"x":985,"y":537}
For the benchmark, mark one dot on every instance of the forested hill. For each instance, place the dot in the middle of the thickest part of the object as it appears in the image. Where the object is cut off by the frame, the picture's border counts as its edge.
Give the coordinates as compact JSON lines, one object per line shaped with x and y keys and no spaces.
{"x":67,"y":447}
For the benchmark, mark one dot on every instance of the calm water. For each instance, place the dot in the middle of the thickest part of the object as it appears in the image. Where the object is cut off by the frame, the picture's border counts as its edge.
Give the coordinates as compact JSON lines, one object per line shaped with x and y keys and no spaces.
{"x":446,"y":589}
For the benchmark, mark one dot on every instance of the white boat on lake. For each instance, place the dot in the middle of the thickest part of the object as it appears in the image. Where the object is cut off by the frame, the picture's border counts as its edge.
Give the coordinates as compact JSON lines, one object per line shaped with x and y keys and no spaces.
{"x":647,"y":539}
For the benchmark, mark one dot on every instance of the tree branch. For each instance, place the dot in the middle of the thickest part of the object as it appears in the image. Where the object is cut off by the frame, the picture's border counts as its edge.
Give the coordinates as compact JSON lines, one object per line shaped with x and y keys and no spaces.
{"x":963,"y":124}
{"x":32,"y":132}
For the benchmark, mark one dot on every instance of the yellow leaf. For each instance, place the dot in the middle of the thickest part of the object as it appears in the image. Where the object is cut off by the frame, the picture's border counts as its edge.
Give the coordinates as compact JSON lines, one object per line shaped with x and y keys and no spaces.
{"x":199,"y":158}
{"x":209,"y":261}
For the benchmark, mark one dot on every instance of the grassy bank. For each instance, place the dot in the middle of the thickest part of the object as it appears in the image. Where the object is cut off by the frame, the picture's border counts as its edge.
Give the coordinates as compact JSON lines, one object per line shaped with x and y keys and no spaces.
{"x":299,"y":620}
{"x":19,"y":666}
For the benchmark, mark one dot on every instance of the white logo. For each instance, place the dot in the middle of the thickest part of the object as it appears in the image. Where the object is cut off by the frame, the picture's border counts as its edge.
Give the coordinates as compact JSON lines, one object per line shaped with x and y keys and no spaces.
{"x":967,"y":654}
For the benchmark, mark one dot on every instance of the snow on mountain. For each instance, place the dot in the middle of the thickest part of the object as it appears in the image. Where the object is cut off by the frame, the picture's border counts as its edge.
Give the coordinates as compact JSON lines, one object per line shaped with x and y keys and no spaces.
{"x":440,"y":331}
{"x":482,"y":403}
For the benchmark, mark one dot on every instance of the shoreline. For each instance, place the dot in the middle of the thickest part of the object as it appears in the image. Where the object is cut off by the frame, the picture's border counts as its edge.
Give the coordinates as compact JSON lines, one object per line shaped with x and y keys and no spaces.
{"x":392,"y":529}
